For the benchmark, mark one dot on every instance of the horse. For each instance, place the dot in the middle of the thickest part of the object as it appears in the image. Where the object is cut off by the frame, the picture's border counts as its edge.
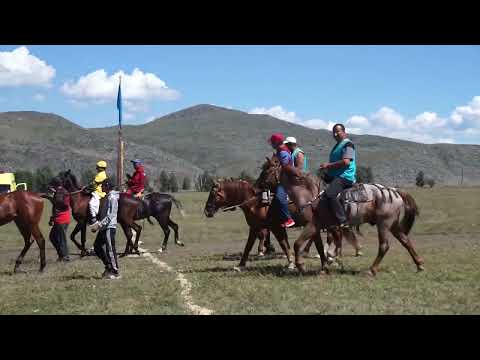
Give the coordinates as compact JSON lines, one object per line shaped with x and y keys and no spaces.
{"x":383,"y":207}
{"x":155,"y":205}
{"x":25,"y":208}
{"x":228,"y":194}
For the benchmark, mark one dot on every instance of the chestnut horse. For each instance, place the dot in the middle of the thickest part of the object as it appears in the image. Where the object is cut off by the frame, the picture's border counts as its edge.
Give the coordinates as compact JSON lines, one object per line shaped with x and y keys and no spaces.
{"x":383,"y":209}
{"x":261,"y":219}
{"x":25,"y":208}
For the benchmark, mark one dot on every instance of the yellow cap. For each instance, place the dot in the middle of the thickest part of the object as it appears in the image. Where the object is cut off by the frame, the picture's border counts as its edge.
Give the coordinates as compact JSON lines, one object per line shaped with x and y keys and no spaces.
{"x":102,"y":164}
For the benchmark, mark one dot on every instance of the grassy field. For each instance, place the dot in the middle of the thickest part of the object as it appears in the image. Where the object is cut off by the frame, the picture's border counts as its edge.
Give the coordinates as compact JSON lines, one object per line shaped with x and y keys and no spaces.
{"x":447,"y":235}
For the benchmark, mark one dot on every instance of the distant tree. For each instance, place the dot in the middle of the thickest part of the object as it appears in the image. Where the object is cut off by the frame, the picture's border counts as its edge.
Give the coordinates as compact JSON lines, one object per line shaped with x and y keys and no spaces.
{"x":186,"y":183}
{"x":173,"y":183}
{"x":420,"y":179}
{"x":164,"y":182}
{"x":25,"y":176}
{"x":430,"y":182}
{"x":244,"y":175}
{"x":42,"y":177}
{"x":204,"y":182}
{"x":364,"y":175}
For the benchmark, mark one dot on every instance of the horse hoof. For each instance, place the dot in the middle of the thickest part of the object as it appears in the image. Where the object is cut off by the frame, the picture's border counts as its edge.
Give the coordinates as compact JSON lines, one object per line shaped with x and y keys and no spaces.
{"x":261,"y":254}
{"x":301,"y":268}
{"x":420,"y":268}
{"x":370,"y":273}
{"x":359,"y":253}
{"x":19,"y":271}
{"x":160,"y":250}
{"x":291,"y":266}
{"x":180,"y":243}
{"x":239,"y":268}
{"x":140,"y":242}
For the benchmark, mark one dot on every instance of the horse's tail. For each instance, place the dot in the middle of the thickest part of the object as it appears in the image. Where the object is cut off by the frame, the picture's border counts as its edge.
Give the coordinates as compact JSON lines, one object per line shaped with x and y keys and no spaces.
{"x":411,"y":211}
{"x":179,"y":206}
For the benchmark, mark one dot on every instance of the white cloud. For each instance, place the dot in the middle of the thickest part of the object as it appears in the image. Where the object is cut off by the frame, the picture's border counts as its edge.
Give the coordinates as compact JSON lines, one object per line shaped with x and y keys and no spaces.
{"x":387,"y":117}
{"x":137,"y":86}
{"x":427,"y":127}
{"x":39,"y":97}
{"x":427,"y":120}
{"x":277,"y":112}
{"x":467,"y":116}
{"x":19,"y":67}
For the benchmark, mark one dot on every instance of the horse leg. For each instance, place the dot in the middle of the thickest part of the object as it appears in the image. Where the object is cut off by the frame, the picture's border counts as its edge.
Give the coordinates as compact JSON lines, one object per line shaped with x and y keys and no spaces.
{"x":166,"y":232}
{"x":282,"y":237}
{"x":27,"y":237}
{"x":128,"y":234}
{"x":252,"y":235}
{"x":174,"y":226}
{"x":407,"y":244}
{"x":317,"y":239}
{"x":270,"y":249}
{"x":383,"y":247}
{"x":306,"y":234}
{"x":353,"y":240}
{"x":74,"y":233}
{"x":37,"y":234}
{"x":261,"y":243}
{"x":138,"y":230}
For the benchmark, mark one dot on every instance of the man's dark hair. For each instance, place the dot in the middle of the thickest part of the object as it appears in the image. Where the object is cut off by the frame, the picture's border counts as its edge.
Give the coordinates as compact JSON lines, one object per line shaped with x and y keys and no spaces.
{"x":107,"y":184}
{"x":341,"y":125}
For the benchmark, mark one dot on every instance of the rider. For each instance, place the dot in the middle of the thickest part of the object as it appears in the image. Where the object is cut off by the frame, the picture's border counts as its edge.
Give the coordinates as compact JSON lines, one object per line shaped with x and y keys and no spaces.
{"x":285,"y":157}
{"x":136,"y":182}
{"x":97,"y":194}
{"x":298,"y":155}
{"x":340,"y":172}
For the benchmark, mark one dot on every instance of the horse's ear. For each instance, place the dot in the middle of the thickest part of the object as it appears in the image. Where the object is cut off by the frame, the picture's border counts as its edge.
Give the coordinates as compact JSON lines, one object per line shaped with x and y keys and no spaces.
{"x":68,"y":172}
{"x":268,"y":159}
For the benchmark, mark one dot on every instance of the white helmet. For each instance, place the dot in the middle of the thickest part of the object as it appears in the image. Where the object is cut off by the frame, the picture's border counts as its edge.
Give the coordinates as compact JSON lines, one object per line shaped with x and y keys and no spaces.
{"x":290,"y":140}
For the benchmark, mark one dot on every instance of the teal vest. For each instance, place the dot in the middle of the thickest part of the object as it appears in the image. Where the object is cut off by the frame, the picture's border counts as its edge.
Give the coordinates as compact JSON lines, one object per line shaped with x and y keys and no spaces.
{"x":294,"y":156}
{"x":348,"y":172}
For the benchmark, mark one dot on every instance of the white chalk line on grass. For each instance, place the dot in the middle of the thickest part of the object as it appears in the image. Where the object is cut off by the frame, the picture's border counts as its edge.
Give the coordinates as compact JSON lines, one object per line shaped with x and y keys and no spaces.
{"x":184,"y":283}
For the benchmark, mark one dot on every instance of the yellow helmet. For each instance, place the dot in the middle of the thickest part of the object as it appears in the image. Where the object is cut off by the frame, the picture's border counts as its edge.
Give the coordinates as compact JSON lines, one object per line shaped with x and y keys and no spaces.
{"x":102,"y":164}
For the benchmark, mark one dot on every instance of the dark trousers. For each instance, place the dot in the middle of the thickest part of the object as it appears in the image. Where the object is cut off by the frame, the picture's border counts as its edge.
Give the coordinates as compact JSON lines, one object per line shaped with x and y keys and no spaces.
{"x":337,"y":185}
{"x":58,"y":237}
{"x":104,"y":247}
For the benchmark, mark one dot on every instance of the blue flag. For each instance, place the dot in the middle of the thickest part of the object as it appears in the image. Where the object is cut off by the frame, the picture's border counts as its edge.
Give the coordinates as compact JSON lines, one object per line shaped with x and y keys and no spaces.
{"x":119,"y":104}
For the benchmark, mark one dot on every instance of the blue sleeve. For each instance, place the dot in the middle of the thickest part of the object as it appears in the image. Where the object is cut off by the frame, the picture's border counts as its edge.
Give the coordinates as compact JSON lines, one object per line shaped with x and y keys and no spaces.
{"x":285,"y":157}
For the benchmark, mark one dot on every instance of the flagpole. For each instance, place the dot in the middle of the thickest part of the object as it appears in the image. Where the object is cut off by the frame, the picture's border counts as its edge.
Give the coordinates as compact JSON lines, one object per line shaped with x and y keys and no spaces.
{"x":120,"y":156}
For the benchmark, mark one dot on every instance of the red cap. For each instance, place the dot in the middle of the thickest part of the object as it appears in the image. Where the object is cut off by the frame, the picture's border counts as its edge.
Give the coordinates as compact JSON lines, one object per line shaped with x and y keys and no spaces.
{"x":276,"y":139}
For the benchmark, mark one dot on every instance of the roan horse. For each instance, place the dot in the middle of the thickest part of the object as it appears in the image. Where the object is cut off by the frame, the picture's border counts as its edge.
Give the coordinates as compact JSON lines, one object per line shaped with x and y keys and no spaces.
{"x":383,"y":209}
{"x":25,"y":208}
{"x":130,"y":209}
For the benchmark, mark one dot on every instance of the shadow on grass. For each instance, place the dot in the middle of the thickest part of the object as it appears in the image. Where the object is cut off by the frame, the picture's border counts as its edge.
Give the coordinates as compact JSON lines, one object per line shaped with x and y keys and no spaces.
{"x":81,"y":277}
{"x":277,"y":271}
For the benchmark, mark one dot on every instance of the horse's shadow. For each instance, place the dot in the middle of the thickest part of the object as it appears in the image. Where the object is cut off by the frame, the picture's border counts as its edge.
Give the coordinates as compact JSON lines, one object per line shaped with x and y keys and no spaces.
{"x":277,"y":271}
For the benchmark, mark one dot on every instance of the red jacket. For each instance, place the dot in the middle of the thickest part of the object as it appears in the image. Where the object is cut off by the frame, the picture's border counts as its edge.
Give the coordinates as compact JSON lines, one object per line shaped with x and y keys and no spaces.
{"x":136,"y":183}
{"x":62,"y":206}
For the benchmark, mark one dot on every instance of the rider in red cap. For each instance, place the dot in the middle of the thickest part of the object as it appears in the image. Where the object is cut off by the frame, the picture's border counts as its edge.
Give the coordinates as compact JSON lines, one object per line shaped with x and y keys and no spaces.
{"x":285,"y":157}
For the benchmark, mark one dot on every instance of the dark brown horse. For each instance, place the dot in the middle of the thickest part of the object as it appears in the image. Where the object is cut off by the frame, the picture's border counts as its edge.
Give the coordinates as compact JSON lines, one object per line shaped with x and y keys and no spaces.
{"x":383,"y":209}
{"x":130,"y":210}
{"x":25,"y":208}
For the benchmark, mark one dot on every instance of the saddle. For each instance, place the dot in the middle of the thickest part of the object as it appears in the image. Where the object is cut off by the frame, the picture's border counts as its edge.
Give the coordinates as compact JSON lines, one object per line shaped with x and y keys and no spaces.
{"x":356,"y":194}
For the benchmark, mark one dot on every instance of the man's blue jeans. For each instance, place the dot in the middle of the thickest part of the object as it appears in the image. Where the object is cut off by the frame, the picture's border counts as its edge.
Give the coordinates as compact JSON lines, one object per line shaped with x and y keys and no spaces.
{"x":281,"y":196}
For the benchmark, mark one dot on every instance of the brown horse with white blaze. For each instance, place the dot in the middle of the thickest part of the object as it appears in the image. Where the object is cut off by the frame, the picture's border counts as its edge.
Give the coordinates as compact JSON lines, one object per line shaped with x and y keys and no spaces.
{"x":25,"y":208}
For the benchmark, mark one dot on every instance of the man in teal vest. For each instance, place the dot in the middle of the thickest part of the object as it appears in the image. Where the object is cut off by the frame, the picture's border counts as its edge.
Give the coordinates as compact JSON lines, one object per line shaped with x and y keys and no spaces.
{"x":340,"y":172}
{"x":298,"y":155}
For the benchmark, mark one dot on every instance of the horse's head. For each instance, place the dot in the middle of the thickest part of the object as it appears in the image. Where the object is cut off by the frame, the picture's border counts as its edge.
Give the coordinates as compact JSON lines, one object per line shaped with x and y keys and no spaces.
{"x":68,"y":180}
{"x":216,"y":199}
{"x":270,"y":176}
{"x":53,"y":185}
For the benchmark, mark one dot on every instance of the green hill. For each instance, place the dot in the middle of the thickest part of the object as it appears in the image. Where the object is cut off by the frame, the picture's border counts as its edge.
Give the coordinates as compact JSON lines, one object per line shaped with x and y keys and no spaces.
{"x":206,"y":137}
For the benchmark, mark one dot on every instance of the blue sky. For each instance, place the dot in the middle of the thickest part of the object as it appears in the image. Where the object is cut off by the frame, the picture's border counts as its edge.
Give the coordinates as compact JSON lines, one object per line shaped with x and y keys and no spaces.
{"x":420,"y":93}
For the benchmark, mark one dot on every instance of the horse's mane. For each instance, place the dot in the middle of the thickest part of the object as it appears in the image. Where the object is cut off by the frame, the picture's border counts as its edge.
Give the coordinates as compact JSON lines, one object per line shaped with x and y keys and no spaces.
{"x":237,"y":186}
